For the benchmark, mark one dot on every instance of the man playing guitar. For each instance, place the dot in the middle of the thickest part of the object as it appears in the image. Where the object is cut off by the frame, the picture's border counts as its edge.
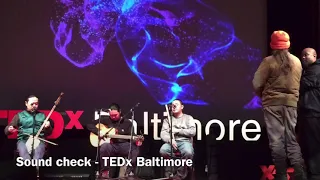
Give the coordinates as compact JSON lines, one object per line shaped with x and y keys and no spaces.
{"x":117,"y":147}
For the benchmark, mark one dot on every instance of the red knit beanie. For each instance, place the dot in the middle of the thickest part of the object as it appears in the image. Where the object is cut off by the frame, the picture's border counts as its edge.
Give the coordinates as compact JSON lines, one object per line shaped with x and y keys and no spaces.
{"x":280,"y":40}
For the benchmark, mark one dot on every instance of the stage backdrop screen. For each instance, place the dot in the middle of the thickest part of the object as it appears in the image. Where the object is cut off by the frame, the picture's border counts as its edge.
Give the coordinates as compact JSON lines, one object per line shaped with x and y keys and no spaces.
{"x":144,"y":51}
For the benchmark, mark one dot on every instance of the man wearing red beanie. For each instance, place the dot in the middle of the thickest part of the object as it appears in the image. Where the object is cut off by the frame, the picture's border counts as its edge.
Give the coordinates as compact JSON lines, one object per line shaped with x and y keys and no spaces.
{"x":277,"y":83}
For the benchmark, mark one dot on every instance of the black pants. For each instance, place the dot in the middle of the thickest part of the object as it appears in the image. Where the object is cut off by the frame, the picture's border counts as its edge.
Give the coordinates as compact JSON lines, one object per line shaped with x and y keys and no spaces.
{"x":119,"y":150}
{"x":280,"y":123}
{"x":309,"y":134}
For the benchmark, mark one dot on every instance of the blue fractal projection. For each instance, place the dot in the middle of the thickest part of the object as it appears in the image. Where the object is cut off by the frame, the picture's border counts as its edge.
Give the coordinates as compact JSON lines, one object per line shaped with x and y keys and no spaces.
{"x":166,"y":43}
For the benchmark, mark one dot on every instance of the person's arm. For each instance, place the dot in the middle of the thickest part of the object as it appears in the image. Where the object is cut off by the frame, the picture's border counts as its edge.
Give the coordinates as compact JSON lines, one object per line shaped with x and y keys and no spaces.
{"x":92,"y":126}
{"x":164,"y":134}
{"x":14,"y":122}
{"x":190,"y":131}
{"x":49,"y":129}
{"x":260,"y":77}
{"x":309,"y":80}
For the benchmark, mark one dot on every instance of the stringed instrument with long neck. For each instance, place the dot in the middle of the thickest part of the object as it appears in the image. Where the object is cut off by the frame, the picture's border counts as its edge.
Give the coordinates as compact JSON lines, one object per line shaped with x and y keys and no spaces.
{"x":110,"y":133}
{"x":35,"y":140}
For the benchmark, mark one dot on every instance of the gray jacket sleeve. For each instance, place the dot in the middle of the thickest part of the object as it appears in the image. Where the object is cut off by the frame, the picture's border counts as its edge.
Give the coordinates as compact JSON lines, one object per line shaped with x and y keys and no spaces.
{"x":164,"y":134}
{"x":190,"y":131}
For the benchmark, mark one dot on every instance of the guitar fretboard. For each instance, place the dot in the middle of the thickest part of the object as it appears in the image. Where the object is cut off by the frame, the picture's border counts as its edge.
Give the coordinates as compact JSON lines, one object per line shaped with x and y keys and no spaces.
{"x":120,"y":136}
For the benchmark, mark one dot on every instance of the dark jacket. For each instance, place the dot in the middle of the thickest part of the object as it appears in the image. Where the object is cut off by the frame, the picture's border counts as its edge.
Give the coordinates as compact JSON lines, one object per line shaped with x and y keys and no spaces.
{"x":275,"y":88}
{"x":309,"y":100}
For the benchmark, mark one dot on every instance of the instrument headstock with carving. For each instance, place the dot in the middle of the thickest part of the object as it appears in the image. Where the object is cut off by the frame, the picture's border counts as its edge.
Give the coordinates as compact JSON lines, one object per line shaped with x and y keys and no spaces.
{"x":59,"y":98}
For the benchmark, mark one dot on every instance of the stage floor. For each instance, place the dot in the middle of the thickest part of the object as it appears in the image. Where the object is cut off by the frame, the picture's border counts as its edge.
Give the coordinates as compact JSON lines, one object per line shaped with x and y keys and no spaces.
{"x":131,"y":178}
{"x":11,"y":172}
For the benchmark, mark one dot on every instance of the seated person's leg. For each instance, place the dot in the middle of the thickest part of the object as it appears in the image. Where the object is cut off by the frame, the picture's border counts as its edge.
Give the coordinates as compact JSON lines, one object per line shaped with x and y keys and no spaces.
{"x":186,"y":149}
{"x":123,"y":151}
{"x":187,"y":152}
{"x":22,"y":148}
{"x":106,"y":150}
{"x":165,"y":150}
{"x":39,"y":151}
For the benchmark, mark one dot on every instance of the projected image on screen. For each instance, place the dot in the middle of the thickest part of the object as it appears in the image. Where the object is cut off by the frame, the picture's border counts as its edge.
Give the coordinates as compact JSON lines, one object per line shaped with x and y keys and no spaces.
{"x":165,"y":43}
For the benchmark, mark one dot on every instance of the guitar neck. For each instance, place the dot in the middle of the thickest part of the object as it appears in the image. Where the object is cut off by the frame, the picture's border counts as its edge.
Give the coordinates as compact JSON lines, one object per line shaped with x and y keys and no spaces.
{"x":120,"y":136}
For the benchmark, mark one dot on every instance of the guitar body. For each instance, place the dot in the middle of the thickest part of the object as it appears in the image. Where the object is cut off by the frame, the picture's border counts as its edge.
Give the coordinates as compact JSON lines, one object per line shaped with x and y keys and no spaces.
{"x":112,"y":134}
{"x":94,"y":139}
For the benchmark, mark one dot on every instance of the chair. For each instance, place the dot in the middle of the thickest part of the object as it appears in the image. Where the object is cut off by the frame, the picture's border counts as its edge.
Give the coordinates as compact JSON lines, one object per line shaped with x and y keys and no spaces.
{"x":118,"y":172}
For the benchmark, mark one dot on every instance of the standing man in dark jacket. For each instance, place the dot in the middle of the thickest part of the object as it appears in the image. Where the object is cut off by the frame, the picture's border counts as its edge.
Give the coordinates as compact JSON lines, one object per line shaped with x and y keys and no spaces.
{"x":277,"y":82}
{"x":309,"y":112}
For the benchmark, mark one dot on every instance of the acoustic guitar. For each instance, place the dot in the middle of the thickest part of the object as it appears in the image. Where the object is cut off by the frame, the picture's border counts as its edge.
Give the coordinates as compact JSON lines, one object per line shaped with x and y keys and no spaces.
{"x":111,"y":134}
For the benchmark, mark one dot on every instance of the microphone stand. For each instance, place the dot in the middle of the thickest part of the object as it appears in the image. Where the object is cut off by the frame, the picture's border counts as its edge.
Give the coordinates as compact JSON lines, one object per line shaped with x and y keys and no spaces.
{"x":98,"y":148}
{"x":171,"y":114}
{"x":131,"y":139}
{"x":33,"y":132}
{"x":33,"y":129}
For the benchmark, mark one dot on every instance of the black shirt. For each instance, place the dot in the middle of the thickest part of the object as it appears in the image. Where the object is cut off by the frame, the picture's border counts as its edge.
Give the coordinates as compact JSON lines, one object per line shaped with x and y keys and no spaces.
{"x":309,"y":100}
{"x":123,"y":126}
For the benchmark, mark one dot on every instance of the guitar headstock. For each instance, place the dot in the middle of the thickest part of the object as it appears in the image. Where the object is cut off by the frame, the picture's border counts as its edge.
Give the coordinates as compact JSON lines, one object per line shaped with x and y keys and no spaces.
{"x":139,"y":138}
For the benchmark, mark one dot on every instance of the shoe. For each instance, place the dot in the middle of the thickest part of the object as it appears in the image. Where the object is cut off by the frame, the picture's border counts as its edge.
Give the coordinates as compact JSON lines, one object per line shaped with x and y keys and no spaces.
{"x":167,"y":171}
{"x":175,"y":177}
{"x":281,"y":170}
{"x":38,"y":174}
{"x":130,"y":175}
{"x":299,"y":172}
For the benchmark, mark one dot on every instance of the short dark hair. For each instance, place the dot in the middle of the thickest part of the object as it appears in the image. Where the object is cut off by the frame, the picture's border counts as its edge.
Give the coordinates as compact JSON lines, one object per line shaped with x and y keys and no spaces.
{"x":179,"y":101}
{"x":30,"y":96}
{"x":115,"y":106}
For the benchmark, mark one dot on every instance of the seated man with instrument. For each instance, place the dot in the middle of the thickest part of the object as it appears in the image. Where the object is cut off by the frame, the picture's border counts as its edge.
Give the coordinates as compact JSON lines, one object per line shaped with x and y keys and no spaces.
{"x":115,"y":135}
{"x":183,"y":131}
{"x":29,"y":122}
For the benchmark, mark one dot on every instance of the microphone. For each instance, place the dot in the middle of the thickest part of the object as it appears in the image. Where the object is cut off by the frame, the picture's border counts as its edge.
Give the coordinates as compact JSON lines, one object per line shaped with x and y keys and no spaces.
{"x":171,"y":106}
{"x":135,"y":106}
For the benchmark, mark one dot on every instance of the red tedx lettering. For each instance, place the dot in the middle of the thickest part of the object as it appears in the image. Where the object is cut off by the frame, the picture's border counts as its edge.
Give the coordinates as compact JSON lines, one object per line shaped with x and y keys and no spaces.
{"x":74,"y":120}
{"x":268,"y":172}
{"x":290,"y":170}
{"x":3,"y":114}
{"x":11,"y":114}
{"x":56,"y":118}
{"x":58,"y":124}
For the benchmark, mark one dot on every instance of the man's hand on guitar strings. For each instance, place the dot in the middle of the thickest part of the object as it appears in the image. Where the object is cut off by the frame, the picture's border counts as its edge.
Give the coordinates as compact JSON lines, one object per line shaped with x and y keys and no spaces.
{"x":139,"y":143}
